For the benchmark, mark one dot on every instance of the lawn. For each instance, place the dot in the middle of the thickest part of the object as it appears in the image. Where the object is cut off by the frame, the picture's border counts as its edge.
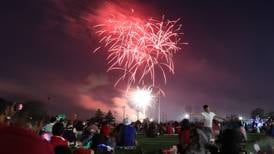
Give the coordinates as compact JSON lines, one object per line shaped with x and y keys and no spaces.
{"x":154,"y":145}
{"x":263,"y":141}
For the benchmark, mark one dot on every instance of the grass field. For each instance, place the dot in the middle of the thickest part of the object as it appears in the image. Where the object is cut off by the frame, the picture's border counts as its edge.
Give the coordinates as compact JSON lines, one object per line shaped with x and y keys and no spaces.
{"x":154,"y":145}
{"x":151,"y":145}
{"x":263,"y":141}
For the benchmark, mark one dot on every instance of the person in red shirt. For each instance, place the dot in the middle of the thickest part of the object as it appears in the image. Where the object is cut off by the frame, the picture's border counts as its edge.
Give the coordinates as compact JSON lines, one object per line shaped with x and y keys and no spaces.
{"x":106,"y":130}
{"x":17,"y":140}
{"x":169,"y":129}
{"x":215,"y":128}
{"x":184,"y":136}
{"x":57,"y":139}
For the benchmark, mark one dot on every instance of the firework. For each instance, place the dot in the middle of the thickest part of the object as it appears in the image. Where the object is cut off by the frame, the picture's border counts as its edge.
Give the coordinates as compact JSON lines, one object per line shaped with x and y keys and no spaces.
{"x":141,"y":97}
{"x":140,"y":49}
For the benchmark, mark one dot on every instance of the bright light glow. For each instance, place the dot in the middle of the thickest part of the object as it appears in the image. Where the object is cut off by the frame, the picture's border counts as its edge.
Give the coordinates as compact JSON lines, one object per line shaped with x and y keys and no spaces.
{"x":20,"y":107}
{"x":240,"y":118}
{"x":151,"y":119}
{"x":46,"y":136}
{"x":186,"y":116}
{"x":141,"y":97}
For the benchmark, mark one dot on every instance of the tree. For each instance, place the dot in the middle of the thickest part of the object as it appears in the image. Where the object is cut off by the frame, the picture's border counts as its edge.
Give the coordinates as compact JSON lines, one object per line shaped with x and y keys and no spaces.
{"x":258,"y":112}
{"x":4,"y":104}
{"x":33,"y":109}
{"x":269,"y":115}
{"x":109,"y":117}
{"x":232,"y":117}
{"x":99,"y":116}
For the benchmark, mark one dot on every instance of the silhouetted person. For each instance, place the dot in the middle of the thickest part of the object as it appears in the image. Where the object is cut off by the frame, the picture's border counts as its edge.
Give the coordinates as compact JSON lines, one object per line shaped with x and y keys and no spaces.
{"x":57,"y":132}
{"x":231,"y":141}
{"x":62,"y":150}
{"x":15,"y":140}
{"x":48,"y":127}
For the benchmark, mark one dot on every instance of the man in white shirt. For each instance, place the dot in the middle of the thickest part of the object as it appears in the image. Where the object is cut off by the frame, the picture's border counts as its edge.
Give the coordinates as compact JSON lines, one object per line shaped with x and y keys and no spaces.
{"x":208,"y":120}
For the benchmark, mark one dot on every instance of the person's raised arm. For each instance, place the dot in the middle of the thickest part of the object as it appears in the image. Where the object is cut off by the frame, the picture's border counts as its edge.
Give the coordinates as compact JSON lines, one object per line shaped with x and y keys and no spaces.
{"x":218,"y":118}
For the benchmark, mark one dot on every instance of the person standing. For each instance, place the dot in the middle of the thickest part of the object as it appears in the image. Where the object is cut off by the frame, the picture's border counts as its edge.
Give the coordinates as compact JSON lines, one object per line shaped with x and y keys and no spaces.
{"x":208,"y":121}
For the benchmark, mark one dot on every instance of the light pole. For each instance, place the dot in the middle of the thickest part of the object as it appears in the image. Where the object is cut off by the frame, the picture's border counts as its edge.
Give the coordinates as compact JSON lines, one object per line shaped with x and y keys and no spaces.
{"x":158,"y":94}
{"x":186,"y":116}
{"x":138,"y":118}
{"x":159,"y":110}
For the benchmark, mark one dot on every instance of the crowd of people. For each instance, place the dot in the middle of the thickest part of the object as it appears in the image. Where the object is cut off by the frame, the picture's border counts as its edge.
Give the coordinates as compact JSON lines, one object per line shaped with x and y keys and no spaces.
{"x":63,"y":136}
{"x":87,"y":137}
{"x":68,"y":137}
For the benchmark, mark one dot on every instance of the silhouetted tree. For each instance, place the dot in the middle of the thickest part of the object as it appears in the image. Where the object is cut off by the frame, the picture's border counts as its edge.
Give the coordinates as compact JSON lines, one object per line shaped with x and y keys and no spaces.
{"x":99,"y":116}
{"x":232,"y":117}
{"x":257,"y":112}
{"x":4,"y":104}
{"x":269,"y":115}
{"x":109,"y":117}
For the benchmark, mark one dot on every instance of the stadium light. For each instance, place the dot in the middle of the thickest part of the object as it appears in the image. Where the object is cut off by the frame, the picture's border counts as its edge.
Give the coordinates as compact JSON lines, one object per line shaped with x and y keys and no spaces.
{"x":186,"y":116}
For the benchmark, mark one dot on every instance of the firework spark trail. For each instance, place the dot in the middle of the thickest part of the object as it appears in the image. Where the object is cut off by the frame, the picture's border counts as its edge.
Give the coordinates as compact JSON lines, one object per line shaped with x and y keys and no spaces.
{"x":140,"y":48}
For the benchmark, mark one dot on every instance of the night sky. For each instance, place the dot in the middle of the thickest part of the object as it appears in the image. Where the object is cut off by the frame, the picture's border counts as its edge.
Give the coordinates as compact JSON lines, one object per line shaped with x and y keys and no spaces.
{"x":47,"y":51}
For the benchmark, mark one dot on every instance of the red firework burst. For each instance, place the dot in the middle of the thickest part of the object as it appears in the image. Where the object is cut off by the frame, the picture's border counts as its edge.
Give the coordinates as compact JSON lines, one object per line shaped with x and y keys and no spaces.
{"x":139,"y":48}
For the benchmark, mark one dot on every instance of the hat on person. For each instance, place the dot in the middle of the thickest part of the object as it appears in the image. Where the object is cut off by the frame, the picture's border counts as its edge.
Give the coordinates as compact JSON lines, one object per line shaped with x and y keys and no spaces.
{"x":93,"y":128}
{"x":127,"y":121}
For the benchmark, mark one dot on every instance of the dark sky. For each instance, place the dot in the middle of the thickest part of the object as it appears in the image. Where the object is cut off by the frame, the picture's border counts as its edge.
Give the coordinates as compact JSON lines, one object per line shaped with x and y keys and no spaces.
{"x":46,"y":51}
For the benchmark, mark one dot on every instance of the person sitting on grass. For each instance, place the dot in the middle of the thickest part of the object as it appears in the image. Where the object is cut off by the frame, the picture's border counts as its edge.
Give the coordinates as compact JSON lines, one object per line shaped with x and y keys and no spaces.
{"x":106,"y":129}
{"x":231,"y":142}
{"x":169,"y":128}
{"x":128,"y":134}
{"x":62,"y":150}
{"x":152,"y":130}
{"x":198,"y":140}
{"x":272,"y":129}
{"x":98,"y":139}
{"x":48,"y":127}
{"x":117,"y":133}
{"x":68,"y":134}
{"x":57,"y":132}
{"x":17,"y":140}
{"x":81,"y":149}
{"x":184,"y":136}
